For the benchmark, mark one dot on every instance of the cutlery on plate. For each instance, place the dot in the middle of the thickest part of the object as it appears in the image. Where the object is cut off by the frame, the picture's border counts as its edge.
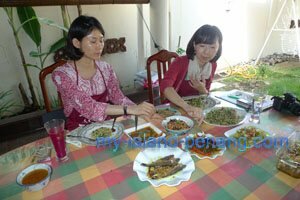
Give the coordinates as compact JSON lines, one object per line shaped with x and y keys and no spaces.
{"x":136,"y":122}
{"x":206,"y":99}
{"x":76,"y":136}
{"x":113,"y":124}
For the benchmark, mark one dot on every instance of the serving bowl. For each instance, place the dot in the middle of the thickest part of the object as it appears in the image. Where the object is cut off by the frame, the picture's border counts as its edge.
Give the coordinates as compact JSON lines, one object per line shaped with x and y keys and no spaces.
{"x":35,"y":177}
{"x":149,"y":155}
{"x":144,"y":133}
{"x":204,"y":146}
{"x":178,"y":118}
{"x":202,"y":101}
{"x":225,"y":116}
{"x":166,"y":111}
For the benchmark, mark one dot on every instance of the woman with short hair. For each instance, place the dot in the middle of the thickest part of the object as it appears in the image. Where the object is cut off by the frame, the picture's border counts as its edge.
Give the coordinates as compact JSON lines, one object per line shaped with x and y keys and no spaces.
{"x":193,"y":73}
{"x":88,"y":86}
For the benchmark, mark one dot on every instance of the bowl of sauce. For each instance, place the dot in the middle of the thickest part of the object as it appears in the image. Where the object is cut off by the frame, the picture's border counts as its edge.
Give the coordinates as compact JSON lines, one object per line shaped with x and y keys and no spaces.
{"x":35,"y":177}
{"x":177,"y":124}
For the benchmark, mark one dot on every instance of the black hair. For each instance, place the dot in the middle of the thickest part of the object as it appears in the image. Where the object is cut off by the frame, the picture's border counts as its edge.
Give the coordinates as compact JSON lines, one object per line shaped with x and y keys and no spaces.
{"x":206,"y":34}
{"x":80,"y":27}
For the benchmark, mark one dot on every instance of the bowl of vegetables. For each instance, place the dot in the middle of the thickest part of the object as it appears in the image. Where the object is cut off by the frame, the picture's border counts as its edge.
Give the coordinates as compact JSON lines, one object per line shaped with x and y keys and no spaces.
{"x":225,"y":116}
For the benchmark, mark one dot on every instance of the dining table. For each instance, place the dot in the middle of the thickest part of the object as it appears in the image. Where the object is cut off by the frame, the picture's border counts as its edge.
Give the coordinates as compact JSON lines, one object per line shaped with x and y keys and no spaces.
{"x":107,"y":173}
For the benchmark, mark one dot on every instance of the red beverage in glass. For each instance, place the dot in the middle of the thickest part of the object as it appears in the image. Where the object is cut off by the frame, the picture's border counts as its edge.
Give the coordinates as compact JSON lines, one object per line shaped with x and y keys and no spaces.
{"x":58,"y":141}
{"x":56,"y":132}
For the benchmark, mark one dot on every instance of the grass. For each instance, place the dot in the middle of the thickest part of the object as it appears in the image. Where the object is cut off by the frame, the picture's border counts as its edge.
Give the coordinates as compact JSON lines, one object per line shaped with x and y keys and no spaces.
{"x":277,"y":80}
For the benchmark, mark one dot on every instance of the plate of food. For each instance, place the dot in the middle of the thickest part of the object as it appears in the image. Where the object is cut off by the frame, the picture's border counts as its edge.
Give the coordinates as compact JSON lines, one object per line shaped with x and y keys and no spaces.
{"x":225,"y":116}
{"x":144,"y":132}
{"x":204,"y":146}
{"x":253,"y":134}
{"x":164,"y":166}
{"x":177,"y":124}
{"x":288,"y":158}
{"x":166,"y":111}
{"x":202,"y":101}
{"x":89,"y":133}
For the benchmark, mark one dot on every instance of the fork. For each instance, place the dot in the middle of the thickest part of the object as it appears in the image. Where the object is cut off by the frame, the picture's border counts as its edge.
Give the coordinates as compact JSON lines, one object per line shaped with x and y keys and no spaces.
{"x":136,"y":122}
{"x":206,"y":98}
{"x":113,"y":124}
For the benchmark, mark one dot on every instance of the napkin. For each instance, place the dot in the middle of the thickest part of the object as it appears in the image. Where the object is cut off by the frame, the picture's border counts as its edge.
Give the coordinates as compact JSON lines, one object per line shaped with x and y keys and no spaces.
{"x":74,"y":141}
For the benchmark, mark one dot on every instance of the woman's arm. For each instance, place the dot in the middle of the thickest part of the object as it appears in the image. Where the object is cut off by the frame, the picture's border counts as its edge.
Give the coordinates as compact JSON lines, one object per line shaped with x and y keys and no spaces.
{"x":192,"y":111}
{"x":198,"y":84}
{"x":116,"y":96}
{"x":88,"y":107}
{"x":144,"y":108}
{"x":174,"y":97}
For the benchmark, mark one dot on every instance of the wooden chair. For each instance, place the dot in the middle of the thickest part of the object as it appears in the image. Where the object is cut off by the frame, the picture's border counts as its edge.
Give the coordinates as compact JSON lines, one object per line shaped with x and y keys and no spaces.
{"x":42,"y":76}
{"x":163,"y":60}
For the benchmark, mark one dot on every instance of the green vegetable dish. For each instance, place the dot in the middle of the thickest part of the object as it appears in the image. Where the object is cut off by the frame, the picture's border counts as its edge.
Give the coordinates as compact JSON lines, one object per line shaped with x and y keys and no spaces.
{"x":197,"y":102}
{"x":167,"y":112}
{"x":249,"y":133}
{"x":202,"y":102}
{"x":292,"y":154}
{"x":288,"y":159}
{"x":102,"y":132}
{"x":223,"y":116}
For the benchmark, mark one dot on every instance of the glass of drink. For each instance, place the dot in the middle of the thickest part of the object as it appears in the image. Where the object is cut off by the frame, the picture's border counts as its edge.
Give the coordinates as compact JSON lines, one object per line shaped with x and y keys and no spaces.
{"x":258,"y":101}
{"x":256,"y":110}
{"x":56,"y":131}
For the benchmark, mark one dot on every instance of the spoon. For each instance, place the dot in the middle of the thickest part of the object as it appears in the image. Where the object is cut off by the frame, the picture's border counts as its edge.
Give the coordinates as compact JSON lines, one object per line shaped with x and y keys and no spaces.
{"x":112,"y":128}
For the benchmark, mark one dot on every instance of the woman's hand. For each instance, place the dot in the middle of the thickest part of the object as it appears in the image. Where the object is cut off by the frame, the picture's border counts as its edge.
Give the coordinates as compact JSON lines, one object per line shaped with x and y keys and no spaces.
{"x":195,"y":113}
{"x":198,"y":83}
{"x":155,"y":118}
{"x":145,"y":109}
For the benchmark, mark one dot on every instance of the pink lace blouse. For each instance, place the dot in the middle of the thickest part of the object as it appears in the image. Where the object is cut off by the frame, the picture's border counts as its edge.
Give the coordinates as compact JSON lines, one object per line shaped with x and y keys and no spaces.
{"x":76,"y":94}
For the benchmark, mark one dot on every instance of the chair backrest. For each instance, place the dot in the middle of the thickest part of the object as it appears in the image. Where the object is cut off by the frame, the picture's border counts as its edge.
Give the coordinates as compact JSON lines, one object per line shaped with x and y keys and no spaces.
{"x":43,"y":74}
{"x":163,"y":60}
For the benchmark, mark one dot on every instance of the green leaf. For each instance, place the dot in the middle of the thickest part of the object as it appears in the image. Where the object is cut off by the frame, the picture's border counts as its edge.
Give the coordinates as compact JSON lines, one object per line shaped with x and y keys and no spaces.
{"x":32,"y":27}
{"x":57,"y":45}
{"x":31,"y":65}
{"x":52,"y":23}
{"x":36,"y":54}
{"x":5,"y":94}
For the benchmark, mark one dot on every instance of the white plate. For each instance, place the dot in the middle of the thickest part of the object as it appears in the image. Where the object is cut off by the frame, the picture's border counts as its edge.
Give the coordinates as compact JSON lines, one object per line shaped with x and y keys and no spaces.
{"x":241,"y":113}
{"x":86,"y":132}
{"x":139,"y":127}
{"x":151,"y":154}
{"x":220,"y":153}
{"x":167,"y":107}
{"x":210,"y":101}
{"x":233,"y":131}
{"x":187,"y":120}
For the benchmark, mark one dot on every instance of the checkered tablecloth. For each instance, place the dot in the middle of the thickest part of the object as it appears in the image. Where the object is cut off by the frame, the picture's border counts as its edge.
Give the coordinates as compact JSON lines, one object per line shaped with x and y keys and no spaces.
{"x":101,"y":173}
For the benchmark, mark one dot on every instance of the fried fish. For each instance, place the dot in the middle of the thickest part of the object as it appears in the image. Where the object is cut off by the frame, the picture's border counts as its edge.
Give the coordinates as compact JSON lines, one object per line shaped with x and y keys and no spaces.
{"x":165,"y":161}
{"x":164,"y":167}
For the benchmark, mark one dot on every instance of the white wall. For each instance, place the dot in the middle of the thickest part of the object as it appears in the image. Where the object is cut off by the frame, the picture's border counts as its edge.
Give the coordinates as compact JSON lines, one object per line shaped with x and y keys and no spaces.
{"x":280,"y":40}
{"x":118,"y":21}
{"x":242,"y":23}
